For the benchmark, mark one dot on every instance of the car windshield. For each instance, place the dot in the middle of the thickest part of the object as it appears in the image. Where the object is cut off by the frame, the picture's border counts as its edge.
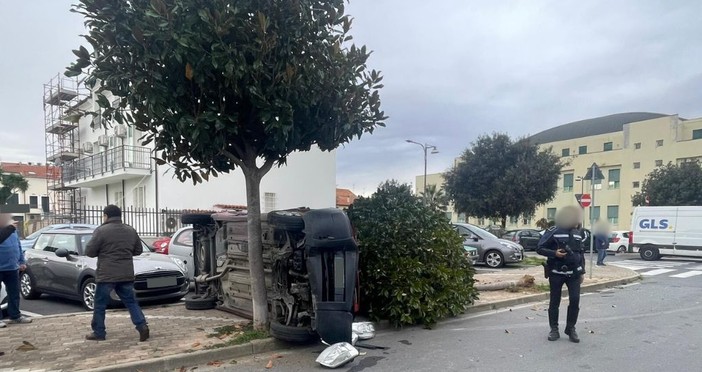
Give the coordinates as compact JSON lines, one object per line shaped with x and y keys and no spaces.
{"x":481,"y":233}
{"x":85,"y":238}
{"x":36,"y":234}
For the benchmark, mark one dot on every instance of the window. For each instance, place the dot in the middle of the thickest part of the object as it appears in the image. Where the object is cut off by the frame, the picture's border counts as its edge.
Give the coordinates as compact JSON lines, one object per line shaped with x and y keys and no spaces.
{"x":461,"y":217}
{"x":526,"y":221}
{"x":607,"y":146}
{"x":595,"y":213}
{"x":269,"y":201}
{"x":119,"y":199}
{"x":582,"y":150}
{"x":568,"y":182}
{"x":637,"y":165}
{"x":13,"y":199}
{"x":43,"y":241}
{"x":565,"y":152}
{"x":551,"y":214}
{"x":185,"y":238}
{"x":637,"y":146}
{"x":481,"y":221}
{"x":659,"y":163}
{"x":635,"y":184}
{"x":696,"y":134}
{"x":614,"y":178}
{"x":33,"y":201}
{"x":659,"y":143}
{"x":140,"y":197}
{"x":613,"y":214}
{"x":514,"y":220}
{"x":45,"y":204}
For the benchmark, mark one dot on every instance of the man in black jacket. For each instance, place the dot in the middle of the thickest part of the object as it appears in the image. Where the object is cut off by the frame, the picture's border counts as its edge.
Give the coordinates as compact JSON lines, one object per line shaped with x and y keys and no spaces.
{"x":562,"y":244}
{"x":115,"y":244}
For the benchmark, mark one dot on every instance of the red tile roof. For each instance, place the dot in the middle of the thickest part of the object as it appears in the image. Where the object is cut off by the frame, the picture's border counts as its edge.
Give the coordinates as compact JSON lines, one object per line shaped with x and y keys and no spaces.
{"x":344,"y":198}
{"x":230,"y":207}
{"x":29,"y":170}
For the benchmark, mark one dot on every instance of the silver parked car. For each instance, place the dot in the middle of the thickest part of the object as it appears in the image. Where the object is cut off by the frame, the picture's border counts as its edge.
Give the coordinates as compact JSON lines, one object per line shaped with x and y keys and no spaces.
{"x":492,"y":251}
{"x":57,"y":265}
{"x":181,"y":247}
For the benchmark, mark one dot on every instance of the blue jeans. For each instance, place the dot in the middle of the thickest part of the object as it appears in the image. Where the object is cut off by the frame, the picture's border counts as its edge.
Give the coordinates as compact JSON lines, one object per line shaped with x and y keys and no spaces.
{"x":12,"y":287}
{"x":601,"y":255}
{"x":125,"y":292}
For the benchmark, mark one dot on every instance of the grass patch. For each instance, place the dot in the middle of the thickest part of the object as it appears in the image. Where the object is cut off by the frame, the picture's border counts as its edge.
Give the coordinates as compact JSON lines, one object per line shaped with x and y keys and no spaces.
{"x":542,"y":287}
{"x":533,"y":261}
{"x":236,"y":335}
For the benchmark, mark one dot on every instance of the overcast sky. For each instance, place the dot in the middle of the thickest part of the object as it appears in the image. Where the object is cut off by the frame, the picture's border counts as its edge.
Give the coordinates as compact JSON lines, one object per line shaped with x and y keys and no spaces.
{"x":454,"y":69}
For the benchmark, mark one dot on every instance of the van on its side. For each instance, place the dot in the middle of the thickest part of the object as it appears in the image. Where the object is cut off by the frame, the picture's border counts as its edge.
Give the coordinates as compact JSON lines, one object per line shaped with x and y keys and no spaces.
{"x":667,"y":231}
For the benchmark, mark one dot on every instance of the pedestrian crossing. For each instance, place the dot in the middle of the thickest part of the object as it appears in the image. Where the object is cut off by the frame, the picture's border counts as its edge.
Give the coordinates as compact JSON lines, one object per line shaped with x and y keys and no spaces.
{"x":672,"y":269}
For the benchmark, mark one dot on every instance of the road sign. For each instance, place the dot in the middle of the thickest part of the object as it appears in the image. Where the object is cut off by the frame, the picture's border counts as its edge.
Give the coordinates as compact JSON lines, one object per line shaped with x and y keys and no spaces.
{"x":585,"y":200}
{"x":594,"y":173}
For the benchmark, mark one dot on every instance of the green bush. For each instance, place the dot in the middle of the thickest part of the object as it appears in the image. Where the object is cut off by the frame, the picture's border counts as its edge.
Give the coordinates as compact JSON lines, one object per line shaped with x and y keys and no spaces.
{"x":412,"y":266}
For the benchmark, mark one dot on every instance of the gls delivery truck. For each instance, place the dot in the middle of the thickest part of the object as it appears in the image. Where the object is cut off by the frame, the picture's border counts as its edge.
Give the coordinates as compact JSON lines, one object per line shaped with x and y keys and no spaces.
{"x":667,"y":231}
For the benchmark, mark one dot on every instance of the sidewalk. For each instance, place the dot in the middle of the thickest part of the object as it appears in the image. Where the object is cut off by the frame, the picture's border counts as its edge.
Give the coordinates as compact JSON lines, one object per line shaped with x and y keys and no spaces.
{"x":58,"y":342}
{"x":179,"y":337}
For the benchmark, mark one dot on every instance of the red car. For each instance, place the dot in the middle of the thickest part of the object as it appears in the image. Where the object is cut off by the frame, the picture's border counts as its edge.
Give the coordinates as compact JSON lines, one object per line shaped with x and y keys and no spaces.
{"x":161,"y":245}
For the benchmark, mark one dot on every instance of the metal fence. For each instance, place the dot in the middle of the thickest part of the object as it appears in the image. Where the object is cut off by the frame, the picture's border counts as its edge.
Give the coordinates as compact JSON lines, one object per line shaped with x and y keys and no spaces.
{"x":146,"y":221}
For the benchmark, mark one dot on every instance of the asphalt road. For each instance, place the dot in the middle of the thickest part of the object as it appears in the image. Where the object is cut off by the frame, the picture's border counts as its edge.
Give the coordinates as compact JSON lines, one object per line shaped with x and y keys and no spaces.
{"x":652,"y":325}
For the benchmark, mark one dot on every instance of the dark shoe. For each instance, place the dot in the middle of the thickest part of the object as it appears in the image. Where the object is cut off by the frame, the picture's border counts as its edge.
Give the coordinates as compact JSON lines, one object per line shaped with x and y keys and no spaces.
{"x":94,"y":337}
{"x":572,"y":335}
{"x":143,"y":333}
{"x":554,"y":335}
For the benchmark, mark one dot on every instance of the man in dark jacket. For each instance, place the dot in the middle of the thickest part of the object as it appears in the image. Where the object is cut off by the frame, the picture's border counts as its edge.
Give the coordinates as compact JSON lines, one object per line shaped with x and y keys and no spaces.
{"x":11,"y":263}
{"x":562,"y":244}
{"x":114,"y":244}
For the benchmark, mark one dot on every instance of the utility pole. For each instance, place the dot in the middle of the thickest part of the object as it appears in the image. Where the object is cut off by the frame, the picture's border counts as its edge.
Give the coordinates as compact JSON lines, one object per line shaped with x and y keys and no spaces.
{"x":593,"y":174}
{"x":425,"y":148}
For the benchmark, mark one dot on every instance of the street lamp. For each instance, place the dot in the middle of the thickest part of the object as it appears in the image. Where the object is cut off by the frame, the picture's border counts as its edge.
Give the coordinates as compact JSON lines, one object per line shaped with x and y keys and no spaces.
{"x":425,"y":148}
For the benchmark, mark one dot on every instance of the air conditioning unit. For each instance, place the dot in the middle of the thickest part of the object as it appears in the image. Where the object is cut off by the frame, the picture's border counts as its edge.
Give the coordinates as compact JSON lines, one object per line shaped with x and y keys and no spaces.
{"x":121,"y":131}
{"x":103,"y":140}
{"x":88,"y":148}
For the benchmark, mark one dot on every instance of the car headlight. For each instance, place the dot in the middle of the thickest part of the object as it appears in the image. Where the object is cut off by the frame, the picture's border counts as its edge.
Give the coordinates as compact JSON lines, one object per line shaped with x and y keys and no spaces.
{"x":510,"y":245}
{"x":180,"y":264}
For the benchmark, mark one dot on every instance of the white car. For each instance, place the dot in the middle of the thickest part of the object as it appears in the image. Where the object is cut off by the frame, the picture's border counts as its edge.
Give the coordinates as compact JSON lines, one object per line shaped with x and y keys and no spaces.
{"x":181,"y":246}
{"x":618,"y":241}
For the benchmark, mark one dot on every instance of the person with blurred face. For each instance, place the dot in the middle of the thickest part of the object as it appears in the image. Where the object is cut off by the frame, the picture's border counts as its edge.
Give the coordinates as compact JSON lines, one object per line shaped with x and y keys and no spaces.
{"x":11,"y":264}
{"x":562,"y":245}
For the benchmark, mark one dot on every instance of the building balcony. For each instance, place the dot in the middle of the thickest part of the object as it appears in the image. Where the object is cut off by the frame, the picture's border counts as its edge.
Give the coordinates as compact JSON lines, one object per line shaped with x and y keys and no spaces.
{"x":110,"y":166}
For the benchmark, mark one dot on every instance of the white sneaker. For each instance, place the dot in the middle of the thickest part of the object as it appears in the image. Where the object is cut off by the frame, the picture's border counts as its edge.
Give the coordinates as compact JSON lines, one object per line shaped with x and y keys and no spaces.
{"x":21,"y":320}
{"x":2,"y":324}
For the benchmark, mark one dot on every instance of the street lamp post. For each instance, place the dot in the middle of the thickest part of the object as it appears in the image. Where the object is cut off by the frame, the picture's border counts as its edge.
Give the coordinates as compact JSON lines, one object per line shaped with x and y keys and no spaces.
{"x":425,"y":148}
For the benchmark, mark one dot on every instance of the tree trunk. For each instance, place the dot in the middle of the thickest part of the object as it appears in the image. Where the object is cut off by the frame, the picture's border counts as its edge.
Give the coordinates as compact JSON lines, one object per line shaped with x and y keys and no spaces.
{"x":253,"y":219}
{"x":504,"y":222}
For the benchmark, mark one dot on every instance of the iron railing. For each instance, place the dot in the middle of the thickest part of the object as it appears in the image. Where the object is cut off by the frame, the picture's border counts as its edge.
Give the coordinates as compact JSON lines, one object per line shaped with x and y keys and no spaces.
{"x":106,"y":162}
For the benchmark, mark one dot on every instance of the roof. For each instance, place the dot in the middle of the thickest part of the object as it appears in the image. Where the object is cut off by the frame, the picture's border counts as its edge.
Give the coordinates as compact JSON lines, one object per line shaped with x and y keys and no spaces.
{"x":344,"y":197}
{"x":592,"y":127}
{"x":27,"y":170}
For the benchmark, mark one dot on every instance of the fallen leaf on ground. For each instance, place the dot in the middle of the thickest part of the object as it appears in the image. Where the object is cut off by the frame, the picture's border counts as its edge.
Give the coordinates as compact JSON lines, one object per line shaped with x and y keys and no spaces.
{"x":530,"y":317}
{"x":215,"y":363}
{"x":26,"y":346}
{"x":506,"y":331}
{"x":614,"y":305}
{"x":196,"y":344}
{"x":591,"y":331}
{"x":270,"y":364}
{"x":510,"y":310}
{"x":276,"y":356}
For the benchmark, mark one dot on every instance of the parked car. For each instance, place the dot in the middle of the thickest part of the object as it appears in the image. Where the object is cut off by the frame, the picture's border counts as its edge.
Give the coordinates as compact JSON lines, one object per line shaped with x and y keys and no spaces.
{"x":618,"y":241}
{"x":527,"y":238}
{"x":181,"y":246}
{"x":471,"y":253}
{"x":28,"y":241}
{"x":160,"y":245}
{"x":492,"y":251}
{"x":57,"y":265}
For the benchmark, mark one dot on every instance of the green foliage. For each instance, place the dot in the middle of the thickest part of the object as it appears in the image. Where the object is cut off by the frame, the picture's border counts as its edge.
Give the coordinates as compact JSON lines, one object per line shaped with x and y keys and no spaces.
{"x":11,"y":184}
{"x":674,"y":185}
{"x":435,"y":198}
{"x":218,"y":84}
{"x":412,"y":265}
{"x":497,"y":177}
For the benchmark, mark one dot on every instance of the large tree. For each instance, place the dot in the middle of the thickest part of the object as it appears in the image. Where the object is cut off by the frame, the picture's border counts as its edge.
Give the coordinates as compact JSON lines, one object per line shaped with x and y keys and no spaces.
{"x":676,"y":185}
{"x":218,"y":85}
{"x":10,"y":184}
{"x":497,"y":177}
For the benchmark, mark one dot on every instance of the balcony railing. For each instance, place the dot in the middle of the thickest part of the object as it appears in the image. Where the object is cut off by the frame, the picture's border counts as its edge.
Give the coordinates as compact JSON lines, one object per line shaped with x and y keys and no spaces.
{"x":120,"y":158}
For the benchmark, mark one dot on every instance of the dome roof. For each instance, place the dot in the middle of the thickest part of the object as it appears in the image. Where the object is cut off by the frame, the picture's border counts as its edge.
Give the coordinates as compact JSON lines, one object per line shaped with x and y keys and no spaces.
{"x":592,"y":127}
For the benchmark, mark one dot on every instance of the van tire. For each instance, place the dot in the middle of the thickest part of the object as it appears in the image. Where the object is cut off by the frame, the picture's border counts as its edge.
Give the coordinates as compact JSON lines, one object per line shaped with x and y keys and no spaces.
{"x":200,"y":302}
{"x":649,"y":253}
{"x":297,"y":335}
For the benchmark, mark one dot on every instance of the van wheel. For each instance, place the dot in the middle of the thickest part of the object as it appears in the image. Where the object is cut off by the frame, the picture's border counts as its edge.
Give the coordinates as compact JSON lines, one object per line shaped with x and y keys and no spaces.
{"x":297,"y":335}
{"x":649,"y":253}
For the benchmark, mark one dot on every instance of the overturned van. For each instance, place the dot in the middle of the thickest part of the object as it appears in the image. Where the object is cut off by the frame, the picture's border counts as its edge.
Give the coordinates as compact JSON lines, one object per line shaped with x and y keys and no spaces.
{"x":310,"y":261}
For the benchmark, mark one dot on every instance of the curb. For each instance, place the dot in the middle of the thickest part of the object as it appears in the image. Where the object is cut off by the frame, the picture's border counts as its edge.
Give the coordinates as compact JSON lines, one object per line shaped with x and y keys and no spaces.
{"x":545,"y":296}
{"x":201,"y":357}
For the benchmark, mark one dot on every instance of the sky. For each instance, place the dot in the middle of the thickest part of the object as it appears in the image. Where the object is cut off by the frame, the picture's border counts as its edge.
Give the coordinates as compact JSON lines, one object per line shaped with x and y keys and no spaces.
{"x":454,"y":70}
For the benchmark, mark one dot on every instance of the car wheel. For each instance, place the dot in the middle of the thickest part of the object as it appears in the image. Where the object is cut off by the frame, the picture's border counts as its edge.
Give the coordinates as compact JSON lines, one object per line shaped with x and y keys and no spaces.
{"x":298,"y":335}
{"x":202,"y":219}
{"x":88,"y":293}
{"x":649,"y":253}
{"x":27,"y":287}
{"x":286,"y":220}
{"x":621,"y":249}
{"x":200,"y":302}
{"x":494,"y":259}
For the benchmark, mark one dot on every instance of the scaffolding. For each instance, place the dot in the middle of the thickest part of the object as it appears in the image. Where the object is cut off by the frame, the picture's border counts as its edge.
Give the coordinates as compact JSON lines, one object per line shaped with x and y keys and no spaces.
{"x":62,"y":96}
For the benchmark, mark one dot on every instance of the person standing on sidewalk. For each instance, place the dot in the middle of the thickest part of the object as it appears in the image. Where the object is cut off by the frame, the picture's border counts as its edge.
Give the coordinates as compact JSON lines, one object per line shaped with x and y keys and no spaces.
{"x":11,"y":264}
{"x":115,"y":244}
{"x":562,"y":245}
{"x":601,"y":234}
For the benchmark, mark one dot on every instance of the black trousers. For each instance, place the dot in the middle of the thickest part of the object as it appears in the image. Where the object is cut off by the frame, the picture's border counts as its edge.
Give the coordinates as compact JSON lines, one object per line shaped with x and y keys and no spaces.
{"x":556,"y":282}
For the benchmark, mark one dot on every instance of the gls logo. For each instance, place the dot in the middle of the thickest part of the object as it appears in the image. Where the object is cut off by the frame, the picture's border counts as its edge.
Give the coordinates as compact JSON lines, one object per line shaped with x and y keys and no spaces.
{"x":653,"y":224}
